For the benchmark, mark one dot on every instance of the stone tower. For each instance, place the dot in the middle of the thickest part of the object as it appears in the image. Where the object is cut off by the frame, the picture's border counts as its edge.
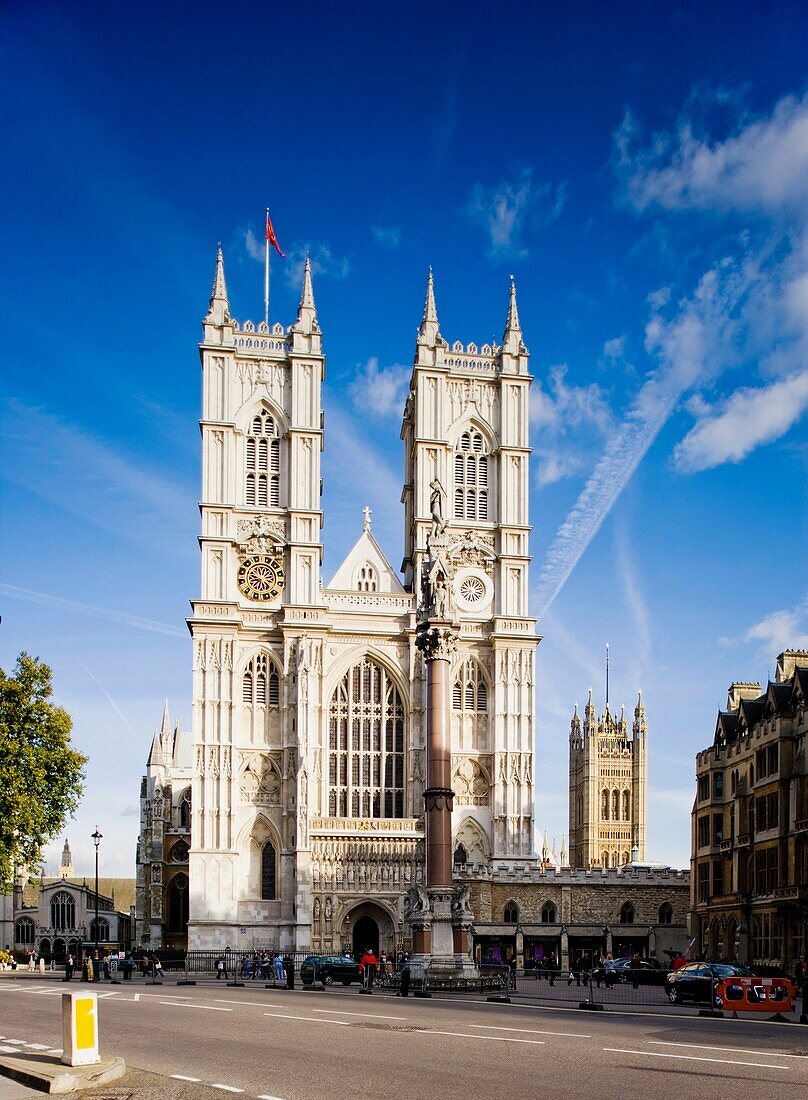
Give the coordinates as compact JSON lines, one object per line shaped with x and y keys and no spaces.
{"x":465,"y":435}
{"x":66,"y":866}
{"x":608,"y":788}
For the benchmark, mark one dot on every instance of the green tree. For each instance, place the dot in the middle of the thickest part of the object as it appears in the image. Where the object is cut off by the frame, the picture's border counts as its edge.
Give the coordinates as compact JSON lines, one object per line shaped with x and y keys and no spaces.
{"x":40,"y":773}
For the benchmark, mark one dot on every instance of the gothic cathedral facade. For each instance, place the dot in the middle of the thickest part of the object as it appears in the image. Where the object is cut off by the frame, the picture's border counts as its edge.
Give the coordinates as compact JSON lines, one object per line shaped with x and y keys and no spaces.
{"x":308,"y":736}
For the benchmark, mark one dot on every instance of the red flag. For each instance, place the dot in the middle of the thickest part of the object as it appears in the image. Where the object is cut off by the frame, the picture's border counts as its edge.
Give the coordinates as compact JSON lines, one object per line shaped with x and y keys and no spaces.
{"x":273,"y":240}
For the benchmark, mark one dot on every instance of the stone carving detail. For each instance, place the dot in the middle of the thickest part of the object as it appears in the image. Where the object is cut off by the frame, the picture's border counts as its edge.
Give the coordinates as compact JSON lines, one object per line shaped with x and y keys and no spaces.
{"x":437,"y":643}
{"x":470,"y":784}
{"x":260,"y":781}
{"x":437,"y":507}
{"x":260,"y":535}
{"x":461,"y":905}
{"x":416,"y":903}
{"x":475,"y":549}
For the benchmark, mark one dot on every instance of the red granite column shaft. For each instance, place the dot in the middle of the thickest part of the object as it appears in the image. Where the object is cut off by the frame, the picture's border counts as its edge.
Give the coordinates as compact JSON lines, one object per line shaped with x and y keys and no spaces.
{"x":438,"y":793}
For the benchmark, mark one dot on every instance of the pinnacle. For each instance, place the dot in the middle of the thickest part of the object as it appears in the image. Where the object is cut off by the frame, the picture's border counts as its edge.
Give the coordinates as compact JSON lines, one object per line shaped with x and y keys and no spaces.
{"x":512,"y":324}
{"x":428,"y":331}
{"x":219,"y":311}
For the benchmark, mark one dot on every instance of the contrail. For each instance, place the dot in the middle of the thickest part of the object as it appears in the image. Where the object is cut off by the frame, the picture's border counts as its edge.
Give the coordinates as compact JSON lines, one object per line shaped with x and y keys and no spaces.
{"x":112,"y":702}
{"x":622,"y":456}
{"x":88,"y":609}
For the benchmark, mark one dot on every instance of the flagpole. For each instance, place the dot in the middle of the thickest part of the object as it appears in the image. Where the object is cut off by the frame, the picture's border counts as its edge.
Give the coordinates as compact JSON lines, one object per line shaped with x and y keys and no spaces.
{"x":266,"y":277}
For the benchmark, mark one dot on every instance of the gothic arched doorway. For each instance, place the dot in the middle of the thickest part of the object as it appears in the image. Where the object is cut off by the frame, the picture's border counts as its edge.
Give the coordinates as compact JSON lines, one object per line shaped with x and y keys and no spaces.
{"x":365,"y":935}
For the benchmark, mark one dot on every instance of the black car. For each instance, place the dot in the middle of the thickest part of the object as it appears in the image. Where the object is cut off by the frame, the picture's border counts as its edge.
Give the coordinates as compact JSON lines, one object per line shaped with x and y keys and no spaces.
{"x":697,"y":981}
{"x":329,"y":969}
{"x":628,"y":972}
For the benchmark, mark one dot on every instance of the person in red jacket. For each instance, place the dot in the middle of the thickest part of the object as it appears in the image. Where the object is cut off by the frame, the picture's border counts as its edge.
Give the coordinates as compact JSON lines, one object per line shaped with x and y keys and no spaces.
{"x":368,"y":965}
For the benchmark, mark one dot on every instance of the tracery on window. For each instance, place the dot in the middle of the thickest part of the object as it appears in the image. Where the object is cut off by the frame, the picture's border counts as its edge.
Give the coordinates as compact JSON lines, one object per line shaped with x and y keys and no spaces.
{"x":366,"y":745}
{"x":260,"y":683}
{"x":263,"y":462}
{"x":470,"y":691}
{"x":471,"y":476}
{"x":268,"y":871}
{"x":103,"y":929}
{"x":549,"y":913}
{"x":511,"y":913}
{"x":63,"y":912}
{"x":666,"y":913}
{"x":24,"y":933}
{"x":627,"y":913}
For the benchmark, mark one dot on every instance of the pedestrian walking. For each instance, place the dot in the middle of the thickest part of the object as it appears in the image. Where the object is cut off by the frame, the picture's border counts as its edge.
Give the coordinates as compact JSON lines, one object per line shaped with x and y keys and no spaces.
{"x":107,"y":973}
{"x":221,"y":968}
{"x":68,"y":966}
{"x":800,"y":973}
{"x":368,"y":966}
{"x":278,"y":968}
{"x":405,"y":977}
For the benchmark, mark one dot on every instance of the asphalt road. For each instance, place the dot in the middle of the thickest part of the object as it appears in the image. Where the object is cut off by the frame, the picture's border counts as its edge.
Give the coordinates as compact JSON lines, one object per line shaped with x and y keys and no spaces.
{"x":339,"y":1045}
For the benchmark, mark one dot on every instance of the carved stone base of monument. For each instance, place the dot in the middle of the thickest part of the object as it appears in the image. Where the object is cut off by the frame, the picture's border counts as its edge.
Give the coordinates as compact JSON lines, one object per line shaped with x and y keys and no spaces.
{"x":440,"y":922}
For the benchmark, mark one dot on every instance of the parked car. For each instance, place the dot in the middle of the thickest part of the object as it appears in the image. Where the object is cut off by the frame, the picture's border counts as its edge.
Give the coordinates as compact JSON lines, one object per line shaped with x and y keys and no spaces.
{"x":697,"y":981}
{"x":620,"y":971}
{"x":329,"y":969}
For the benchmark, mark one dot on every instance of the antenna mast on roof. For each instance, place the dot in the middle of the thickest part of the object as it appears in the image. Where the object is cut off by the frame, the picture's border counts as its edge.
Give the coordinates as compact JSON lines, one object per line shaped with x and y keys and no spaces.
{"x":607,"y":675}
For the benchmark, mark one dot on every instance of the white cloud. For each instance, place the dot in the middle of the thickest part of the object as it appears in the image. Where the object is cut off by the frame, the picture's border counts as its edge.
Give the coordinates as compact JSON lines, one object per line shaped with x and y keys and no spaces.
{"x":380,"y":390}
{"x":749,"y":418}
{"x":322,"y":259}
{"x":509,"y":209}
{"x":568,"y":419}
{"x":779,"y":630}
{"x":615,"y":349}
{"x":256,"y":249}
{"x":386,"y":236}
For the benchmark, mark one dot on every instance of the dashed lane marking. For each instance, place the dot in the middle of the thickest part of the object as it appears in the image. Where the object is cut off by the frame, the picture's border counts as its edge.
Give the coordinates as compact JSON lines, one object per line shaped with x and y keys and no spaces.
{"x":726,"y":1050}
{"x":182,"y":1077}
{"x":532,"y":1031}
{"x":264,"y":1096}
{"x":491,"y":1038}
{"x":37,"y":1046}
{"x":227,"y":1088}
{"x":252,"y":1004}
{"x":693,"y":1058}
{"x":207,"y":1008}
{"x":306,"y":1019}
{"x":9,"y":1050}
{"x":373,"y":1015}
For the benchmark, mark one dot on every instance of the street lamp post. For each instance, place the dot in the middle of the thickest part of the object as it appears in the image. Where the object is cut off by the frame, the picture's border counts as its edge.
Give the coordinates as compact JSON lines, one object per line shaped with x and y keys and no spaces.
{"x":97,"y":837}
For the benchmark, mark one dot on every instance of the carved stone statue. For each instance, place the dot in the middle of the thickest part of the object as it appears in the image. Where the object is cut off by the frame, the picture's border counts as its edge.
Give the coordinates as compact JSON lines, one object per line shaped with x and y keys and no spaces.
{"x":461,"y":904}
{"x":416,"y":902}
{"x":437,"y":507}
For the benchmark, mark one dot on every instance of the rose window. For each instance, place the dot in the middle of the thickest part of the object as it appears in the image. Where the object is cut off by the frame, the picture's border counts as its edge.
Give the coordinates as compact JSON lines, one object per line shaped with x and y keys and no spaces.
{"x":472,"y":589}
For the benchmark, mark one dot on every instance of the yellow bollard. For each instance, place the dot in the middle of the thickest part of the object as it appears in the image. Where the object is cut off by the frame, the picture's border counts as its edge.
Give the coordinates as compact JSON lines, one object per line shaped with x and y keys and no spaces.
{"x":80,"y":1029}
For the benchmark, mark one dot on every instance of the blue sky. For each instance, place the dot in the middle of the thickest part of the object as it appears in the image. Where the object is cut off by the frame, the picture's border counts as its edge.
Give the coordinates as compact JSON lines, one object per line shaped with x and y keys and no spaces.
{"x":640,"y":168}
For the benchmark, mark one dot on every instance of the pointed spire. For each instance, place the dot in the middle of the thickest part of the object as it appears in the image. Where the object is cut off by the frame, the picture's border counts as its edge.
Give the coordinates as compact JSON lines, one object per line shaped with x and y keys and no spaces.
{"x":564,"y":850}
{"x":156,"y":752}
{"x":219,"y":311}
{"x":165,"y":728}
{"x":429,"y":329}
{"x":640,"y":727}
{"x":512,"y":337}
{"x":307,"y":311}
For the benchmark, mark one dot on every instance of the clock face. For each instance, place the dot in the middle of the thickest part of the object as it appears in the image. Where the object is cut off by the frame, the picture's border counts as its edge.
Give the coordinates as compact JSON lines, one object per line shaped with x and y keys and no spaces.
{"x":261,"y":577}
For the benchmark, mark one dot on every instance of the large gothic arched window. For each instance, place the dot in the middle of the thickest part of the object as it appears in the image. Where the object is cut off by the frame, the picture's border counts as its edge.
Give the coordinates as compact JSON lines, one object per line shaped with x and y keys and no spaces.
{"x":263,"y":463}
{"x":471,"y":476}
{"x":366,"y":745}
{"x":63,"y":912}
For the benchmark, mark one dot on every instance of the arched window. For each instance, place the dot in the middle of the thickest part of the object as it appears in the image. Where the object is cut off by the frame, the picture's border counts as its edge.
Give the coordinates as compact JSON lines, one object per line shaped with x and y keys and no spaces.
{"x":460,"y":857}
{"x":63,"y":912}
{"x":185,"y":813}
{"x":178,"y":905}
{"x":615,"y":805}
{"x":24,"y":931}
{"x":103,"y":930}
{"x":179,"y":853}
{"x":260,"y":684}
{"x":268,"y":874}
{"x":511,"y":914}
{"x":605,"y":859}
{"x":626,"y":807}
{"x":470,"y":691}
{"x":666,"y":913}
{"x":627,"y":913}
{"x":549,"y":913}
{"x":263,"y":463}
{"x":366,"y":745}
{"x":604,"y":805}
{"x":367,"y":579}
{"x":471,"y":476}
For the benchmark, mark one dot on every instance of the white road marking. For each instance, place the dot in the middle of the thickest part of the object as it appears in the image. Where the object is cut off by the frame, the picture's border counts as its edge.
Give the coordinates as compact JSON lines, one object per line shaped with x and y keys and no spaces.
{"x":307,"y":1019}
{"x":54,"y":1050}
{"x":252,"y":1004}
{"x":21,"y":1042}
{"x":207,"y":1008}
{"x":693,"y":1058}
{"x":37,"y":1046}
{"x":531,"y":1031}
{"x":182,"y":1077}
{"x":9,"y":1050}
{"x":227,"y":1088}
{"x":727,"y":1050}
{"x":374,"y":1015}
{"x":264,"y":1096}
{"x":491,"y":1038}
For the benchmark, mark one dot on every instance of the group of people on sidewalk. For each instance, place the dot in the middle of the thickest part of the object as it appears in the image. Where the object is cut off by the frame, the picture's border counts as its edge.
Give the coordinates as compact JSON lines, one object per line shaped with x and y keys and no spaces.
{"x":97,"y":964}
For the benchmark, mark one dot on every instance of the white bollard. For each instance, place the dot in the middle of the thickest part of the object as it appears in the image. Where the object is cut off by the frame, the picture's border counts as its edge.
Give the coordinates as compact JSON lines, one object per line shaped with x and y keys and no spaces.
{"x":41,"y":965}
{"x":80,"y":1029}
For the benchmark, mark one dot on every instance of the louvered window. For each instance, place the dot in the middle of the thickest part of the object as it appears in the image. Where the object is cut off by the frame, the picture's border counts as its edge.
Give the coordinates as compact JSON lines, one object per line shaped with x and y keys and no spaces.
{"x":469,"y":691}
{"x":260,"y":683}
{"x":471,"y":477}
{"x":263,"y":463}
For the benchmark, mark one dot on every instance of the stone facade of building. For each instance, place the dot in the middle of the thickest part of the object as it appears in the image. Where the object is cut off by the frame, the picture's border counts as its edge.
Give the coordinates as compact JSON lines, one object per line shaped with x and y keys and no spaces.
{"x":307,"y":760}
{"x":749,"y":865}
{"x":608,"y":788}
